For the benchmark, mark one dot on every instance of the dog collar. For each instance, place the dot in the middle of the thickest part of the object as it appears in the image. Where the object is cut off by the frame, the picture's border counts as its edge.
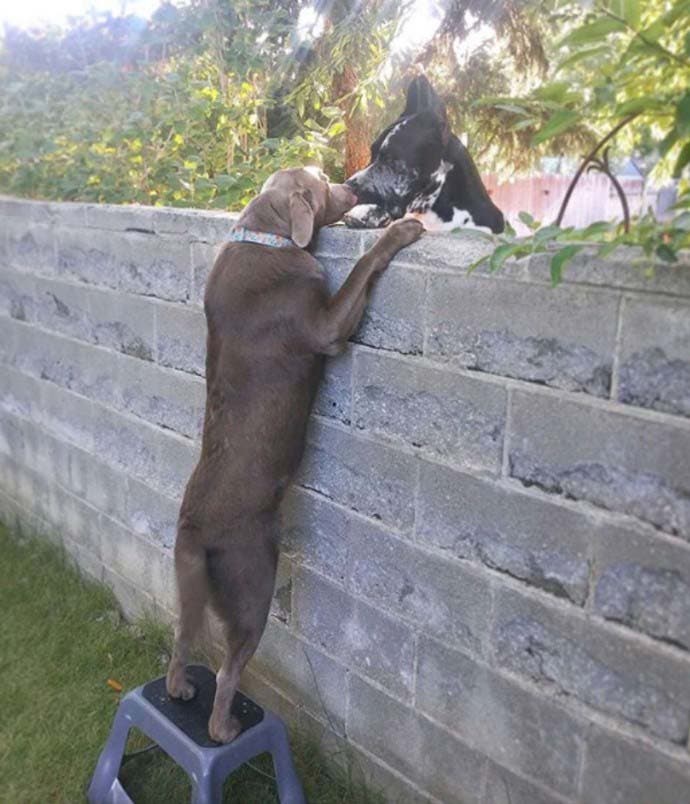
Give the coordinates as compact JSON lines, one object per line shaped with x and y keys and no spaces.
{"x":241,"y":235}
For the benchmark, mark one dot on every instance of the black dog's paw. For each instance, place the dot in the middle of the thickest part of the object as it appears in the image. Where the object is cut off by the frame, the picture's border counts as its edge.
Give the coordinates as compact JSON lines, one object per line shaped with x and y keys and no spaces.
{"x":367,"y":216}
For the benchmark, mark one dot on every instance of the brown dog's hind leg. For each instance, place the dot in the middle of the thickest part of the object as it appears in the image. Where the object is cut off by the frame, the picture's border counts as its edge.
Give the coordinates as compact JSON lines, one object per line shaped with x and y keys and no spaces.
{"x":241,"y":592}
{"x":192,"y":587}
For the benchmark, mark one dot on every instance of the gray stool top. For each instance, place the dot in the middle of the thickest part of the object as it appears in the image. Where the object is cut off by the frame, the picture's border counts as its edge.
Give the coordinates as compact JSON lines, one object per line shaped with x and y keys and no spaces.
{"x":181,"y":729}
{"x":191,"y":717}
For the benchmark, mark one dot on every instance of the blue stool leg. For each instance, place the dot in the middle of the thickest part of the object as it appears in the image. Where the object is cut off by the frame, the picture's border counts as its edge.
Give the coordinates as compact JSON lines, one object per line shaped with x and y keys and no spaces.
{"x":207,"y":788}
{"x":289,"y":786}
{"x":110,"y":759}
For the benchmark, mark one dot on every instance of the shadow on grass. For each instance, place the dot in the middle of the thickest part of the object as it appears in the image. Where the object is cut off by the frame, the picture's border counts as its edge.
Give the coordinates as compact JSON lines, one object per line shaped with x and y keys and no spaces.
{"x":62,"y":641}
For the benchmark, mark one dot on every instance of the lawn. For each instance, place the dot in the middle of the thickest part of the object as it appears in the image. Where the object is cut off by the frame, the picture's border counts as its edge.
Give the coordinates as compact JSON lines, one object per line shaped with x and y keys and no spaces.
{"x":63,"y":640}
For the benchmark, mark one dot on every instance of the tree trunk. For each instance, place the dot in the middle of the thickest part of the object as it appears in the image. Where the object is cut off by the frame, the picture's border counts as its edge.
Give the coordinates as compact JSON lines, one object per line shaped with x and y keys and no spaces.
{"x":358,"y":127}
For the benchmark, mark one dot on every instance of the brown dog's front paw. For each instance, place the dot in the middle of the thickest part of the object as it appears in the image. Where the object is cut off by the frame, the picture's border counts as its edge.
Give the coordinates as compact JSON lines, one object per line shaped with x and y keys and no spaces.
{"x":404,"y":232}
{"x":177,"y":685}
{"x":224,"y":730}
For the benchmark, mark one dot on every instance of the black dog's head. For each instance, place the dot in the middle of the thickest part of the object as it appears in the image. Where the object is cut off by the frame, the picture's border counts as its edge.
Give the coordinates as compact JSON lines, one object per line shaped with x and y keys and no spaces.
{"x":418,"y":167}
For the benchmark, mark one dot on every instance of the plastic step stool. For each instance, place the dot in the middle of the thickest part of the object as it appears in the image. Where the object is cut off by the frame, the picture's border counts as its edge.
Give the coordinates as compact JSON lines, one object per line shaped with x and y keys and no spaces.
{"x":181,"y":729}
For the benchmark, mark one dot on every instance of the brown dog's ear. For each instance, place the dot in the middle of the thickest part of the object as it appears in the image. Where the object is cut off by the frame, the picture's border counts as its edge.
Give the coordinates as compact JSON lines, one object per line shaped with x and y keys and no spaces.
{"x":301,"y":218}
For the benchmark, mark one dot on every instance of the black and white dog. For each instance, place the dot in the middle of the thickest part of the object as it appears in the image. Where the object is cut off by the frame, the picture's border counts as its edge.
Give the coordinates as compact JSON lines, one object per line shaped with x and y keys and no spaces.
{"x":419,"y":168}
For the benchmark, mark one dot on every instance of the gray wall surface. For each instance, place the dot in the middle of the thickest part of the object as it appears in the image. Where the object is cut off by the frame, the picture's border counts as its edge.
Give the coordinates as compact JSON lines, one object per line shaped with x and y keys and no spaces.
{"x":485,"y":586}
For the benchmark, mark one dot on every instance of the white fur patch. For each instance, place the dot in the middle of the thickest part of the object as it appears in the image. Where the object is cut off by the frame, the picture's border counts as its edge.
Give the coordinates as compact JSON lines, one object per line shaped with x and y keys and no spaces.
{"x":423,"y":202}
{"x":461,"y":220}
{"x":397,"y":127}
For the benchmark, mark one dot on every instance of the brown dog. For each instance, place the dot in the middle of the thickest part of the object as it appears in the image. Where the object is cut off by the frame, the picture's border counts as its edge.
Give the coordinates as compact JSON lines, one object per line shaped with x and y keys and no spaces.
{"x":270,"y":323}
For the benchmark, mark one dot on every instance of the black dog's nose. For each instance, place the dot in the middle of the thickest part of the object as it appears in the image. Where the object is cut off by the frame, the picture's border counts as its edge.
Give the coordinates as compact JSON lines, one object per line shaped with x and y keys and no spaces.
{"x":498,"y":223}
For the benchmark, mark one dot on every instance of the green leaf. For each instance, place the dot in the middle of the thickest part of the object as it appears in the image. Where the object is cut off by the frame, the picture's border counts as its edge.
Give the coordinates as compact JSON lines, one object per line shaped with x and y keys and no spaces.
{"x":592,"y":32}
{"x":683,"y":115}
{"x":555,"y":91}
{"x":559,"y":260}
{"x":512,"y":108}
{"x":502,"y":253}
{"x":682,"y":161}
{"x":629,"y":10}
{"x":610,"y":247}
{"x":595,"y":229}
{"x":549,"y":232}
{"x":666,"y":253}
{"x":646,"y":103}
{"x":559,"y":122}
{"x":581,"y":55}
{"x":528,"y":220}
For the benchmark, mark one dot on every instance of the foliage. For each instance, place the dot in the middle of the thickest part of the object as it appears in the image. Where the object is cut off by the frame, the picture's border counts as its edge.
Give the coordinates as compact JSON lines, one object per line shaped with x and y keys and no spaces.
{"x":622,"y":63}
{"x":199,"y":104}
{"x":179,"y":130}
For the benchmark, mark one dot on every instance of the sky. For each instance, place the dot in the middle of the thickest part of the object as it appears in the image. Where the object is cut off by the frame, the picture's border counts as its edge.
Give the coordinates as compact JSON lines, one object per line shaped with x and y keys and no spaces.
{"x":26,"y":13}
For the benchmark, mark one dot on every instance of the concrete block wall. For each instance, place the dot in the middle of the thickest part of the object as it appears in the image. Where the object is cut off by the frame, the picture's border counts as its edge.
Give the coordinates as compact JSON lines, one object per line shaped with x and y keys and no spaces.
{"x":485,"y":584}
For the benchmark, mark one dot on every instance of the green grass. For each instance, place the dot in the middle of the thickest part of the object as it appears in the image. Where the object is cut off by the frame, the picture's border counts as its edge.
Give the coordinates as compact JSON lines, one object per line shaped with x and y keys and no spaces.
{"x":61,"y":640}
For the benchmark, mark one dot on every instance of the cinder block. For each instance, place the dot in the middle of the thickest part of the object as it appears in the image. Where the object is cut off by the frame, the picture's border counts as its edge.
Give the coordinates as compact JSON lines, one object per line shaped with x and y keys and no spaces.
{"x":203,"y":257}
{"x":361,"y":637}
{"x":303,"y":673}
{"x":29,"y":246}
{"x":316,"y":533}
{"x":271,"y":698}
{"x":63,"y":307}
{"x":120,"y":217}
{"x":643,"y":582}
{"x":27,"y":210}
{"x":143,"y":563}
{"x":211,"y":226}
{"x":574,"y":656}
{"x":334,"y":398}
{"x":522,"y":731}
{"x":281,"y":605}
{"x":562,"y":337}
{"x":72,"y":365}
{"x":532,"y":539}
{"x":165,"y":398}
{"x":627,"y":268}
{"x":370,"y":478}
{"x":441,"y":597}
{"x":338,"y":241}
{"x":620,"y":771}
{"x":73,"y":519}
{"x":176,"y":460}
{"x":133,"y":262}
{"x":394,"y":315}
{"x":19,"y":394}
{"x":127,"y":444}
{"x":66,"y":415}
{"x":504,"y":787}
{"x":451,"y":252}
{"x":85,"y":562}
{"x":613,"y":460}
{"x":151,"y":514}
{"x":121,"y":322}
{"x":134,"y":602}
{"x":181,"y":338}
{"x":99,"y":484}
{"x":443,"y":765}
{"x":456,"y":417}
{"x":17,"y":295}
{"x":654,"y":369}
{"x":381,"y":780}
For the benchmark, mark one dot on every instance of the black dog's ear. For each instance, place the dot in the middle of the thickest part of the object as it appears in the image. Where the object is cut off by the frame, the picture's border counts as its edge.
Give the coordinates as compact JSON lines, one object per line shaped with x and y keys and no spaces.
{"x":421,"y":96}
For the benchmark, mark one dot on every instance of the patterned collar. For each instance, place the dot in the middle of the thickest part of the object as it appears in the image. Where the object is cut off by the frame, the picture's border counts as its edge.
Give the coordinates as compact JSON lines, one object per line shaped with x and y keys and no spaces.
{"x":241,"y":235}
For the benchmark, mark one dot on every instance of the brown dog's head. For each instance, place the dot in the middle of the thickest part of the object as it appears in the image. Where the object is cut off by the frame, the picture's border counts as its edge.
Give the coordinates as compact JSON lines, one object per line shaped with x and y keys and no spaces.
{"x":296,"y":202}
